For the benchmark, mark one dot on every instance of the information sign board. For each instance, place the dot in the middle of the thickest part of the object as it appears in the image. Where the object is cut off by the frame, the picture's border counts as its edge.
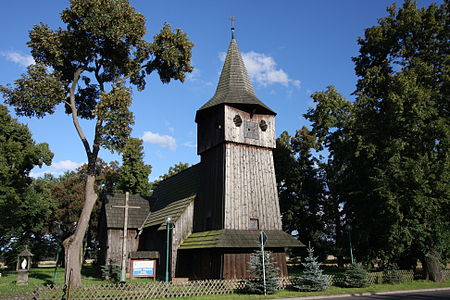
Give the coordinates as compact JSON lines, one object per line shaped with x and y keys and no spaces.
{"x":143,"y":268}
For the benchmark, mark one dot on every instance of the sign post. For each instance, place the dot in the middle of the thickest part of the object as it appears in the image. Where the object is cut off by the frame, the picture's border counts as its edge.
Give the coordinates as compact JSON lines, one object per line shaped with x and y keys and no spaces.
{"x":263,"y":240}
{"x":125,"y":235}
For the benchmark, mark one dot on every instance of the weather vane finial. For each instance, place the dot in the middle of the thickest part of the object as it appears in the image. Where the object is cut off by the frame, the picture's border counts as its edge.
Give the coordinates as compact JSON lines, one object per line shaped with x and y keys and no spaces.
{"x":232,"y":19}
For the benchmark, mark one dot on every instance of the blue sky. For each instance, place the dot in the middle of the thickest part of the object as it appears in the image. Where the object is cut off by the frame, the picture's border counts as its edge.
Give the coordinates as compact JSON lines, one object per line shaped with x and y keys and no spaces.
{"x":292,"y":48}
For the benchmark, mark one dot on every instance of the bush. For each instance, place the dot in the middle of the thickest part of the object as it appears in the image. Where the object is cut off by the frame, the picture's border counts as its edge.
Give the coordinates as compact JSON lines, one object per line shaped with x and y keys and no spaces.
{"x":111,"y":271}
{"x":355,"y":276}
{"x":255,"y":285}
{"x":391,"y":274}
{"x":312,"y":278}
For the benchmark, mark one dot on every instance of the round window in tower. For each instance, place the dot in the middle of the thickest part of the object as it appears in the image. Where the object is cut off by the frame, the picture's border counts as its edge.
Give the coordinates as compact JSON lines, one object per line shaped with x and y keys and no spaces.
{"x":263,"y":125}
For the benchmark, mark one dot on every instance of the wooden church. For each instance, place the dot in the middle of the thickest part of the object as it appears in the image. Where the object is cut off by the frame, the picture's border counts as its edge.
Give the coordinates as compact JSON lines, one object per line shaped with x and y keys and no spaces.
{"x":220,"y":205}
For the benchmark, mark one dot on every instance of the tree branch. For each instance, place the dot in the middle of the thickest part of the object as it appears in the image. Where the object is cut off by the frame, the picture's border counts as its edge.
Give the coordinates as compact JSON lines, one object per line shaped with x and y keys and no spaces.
{"x":73,"y":107}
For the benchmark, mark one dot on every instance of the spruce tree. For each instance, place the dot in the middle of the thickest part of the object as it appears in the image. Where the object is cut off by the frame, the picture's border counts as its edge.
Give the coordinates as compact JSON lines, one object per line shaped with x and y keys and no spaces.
{"x":255,"y":285}
{"x":312,"y":278}
{"x":355,"y":276}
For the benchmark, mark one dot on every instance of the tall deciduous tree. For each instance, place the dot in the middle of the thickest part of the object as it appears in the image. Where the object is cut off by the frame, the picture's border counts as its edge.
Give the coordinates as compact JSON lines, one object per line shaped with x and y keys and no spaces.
{"x":24,"y":205}
{"x":391,"y":148}
{"x":403,"y":112}
{"x":301,"y":186}
{"x":89,"y":67}
{"x":133,"y":174}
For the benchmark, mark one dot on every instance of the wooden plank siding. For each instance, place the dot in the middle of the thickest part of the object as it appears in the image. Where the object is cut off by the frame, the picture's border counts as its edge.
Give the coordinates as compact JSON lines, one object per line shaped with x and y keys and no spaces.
{"x":223,"y":263}
{"x":236,"y":265}
{"x":250,"y":188}
{"x":208,"y":209}
{"x":114,"y":249}
{"x":183,"y":228}
{"x":235,"y":134}
{"x":153,"y":239}
{"x":210,"y":130}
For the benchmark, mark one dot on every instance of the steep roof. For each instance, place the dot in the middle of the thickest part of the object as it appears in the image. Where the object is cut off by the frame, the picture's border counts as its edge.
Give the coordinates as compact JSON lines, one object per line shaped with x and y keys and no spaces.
{"x":173,"y":195}
{"x":228,"y":238}
{"x":234,"y":85}
{"x":115,"y":215}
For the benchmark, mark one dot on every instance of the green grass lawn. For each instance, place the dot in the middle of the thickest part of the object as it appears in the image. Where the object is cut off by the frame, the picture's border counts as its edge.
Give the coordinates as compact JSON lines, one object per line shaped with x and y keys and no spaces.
{"x":42,"y":276}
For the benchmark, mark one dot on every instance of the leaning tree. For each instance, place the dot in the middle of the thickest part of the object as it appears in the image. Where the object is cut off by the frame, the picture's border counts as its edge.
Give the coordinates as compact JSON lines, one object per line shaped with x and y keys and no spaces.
{"x":89,"y":68}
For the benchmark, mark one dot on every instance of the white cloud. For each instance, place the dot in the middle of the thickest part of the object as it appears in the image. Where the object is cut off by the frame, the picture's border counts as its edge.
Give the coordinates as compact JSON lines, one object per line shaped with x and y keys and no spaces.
{"x":16,"y":57}
{"x":263,"y":69}
{"x":65,"y":165}
{"x":165,"y":141}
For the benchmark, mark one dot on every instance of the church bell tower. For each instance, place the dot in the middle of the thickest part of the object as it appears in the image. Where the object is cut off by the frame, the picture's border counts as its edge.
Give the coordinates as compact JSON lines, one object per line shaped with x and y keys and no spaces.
{"x":235,"y":138}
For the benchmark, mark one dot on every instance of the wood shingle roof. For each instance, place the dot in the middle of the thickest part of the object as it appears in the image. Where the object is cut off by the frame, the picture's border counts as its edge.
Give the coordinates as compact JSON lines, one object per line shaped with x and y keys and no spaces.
{"x":136,"y":216}
{"x":228,"y":238}
{"x":234,"y":85}
{"x":173,"y":195}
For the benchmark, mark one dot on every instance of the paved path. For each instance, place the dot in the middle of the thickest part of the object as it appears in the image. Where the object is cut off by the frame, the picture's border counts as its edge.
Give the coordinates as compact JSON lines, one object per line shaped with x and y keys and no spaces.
{"x":433,"y":294}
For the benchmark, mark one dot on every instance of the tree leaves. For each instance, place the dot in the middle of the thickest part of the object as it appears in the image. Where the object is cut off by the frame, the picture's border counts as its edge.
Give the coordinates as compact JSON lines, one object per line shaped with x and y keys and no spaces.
{"x":113,"y":111}
{"x":133,"y":175}
{"x":172,"y":55}
{"x":390,"y":150}
{"x":24,"y":207}
{"x":36,"y":93}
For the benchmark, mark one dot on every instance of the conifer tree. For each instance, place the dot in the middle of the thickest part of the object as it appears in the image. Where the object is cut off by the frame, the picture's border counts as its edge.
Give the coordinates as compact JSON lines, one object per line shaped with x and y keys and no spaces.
{"x":312,"y":279}
{"x":133,"y":175}
{"x":255,"y":285}
{"x":355,"y":276}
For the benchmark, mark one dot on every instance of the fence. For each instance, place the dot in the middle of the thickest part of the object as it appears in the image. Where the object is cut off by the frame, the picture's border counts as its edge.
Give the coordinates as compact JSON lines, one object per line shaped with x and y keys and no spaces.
{"x":157,"y":289}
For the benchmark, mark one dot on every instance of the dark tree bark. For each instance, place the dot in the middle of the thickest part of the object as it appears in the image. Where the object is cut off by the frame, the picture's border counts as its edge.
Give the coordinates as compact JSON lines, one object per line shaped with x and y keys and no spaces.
{"x":432,"y":267}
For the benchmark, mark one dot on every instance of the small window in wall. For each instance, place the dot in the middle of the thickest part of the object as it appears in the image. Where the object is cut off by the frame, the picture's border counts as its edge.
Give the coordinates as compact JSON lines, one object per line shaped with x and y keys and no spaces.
{"x":254,"y":224}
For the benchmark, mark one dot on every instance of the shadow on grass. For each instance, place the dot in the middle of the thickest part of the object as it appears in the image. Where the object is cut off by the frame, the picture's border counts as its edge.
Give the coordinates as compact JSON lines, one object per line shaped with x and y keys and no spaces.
{"x":45,"y":277}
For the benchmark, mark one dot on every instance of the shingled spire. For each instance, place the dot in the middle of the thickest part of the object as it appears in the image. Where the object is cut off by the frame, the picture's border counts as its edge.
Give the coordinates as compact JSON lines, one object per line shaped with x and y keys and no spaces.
{"x":234,"y":85}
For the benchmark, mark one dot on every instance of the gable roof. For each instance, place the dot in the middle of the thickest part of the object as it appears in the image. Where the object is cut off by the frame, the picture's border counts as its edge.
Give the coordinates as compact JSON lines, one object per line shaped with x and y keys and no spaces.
{"x":173,"y":209}
{"x":234,"y":85}
{"x":115,"y":215}
{"x":173,"y":195}
{"x":229,"y":238}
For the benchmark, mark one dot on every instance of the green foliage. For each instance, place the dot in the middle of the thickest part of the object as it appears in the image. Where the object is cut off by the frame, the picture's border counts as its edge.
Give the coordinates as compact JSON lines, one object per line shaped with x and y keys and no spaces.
{"x":312,"y":278}
{"x":355,"y":276}
{"x":255,"y":285}
{"x":69,"y":191}
{"x":133,"y":175}
{"x":301,"y":187}
{"x":90,"y":68}
{"x":391,"y":274}
{"x":389,"y":151}
{"x":102,"y":46}
{"x":117,"y":119}
{"x":25,"y":204}
{"x":111,"y":271}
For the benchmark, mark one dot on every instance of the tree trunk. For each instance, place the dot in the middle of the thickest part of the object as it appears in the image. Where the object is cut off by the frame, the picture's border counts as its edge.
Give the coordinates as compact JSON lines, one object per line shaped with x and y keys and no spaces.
{"x":73,"y":244}
{"x":433,"y":266}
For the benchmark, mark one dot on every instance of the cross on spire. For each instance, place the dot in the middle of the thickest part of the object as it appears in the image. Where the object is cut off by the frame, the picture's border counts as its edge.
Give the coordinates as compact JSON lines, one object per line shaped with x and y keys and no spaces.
{"x":232,"y":19}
